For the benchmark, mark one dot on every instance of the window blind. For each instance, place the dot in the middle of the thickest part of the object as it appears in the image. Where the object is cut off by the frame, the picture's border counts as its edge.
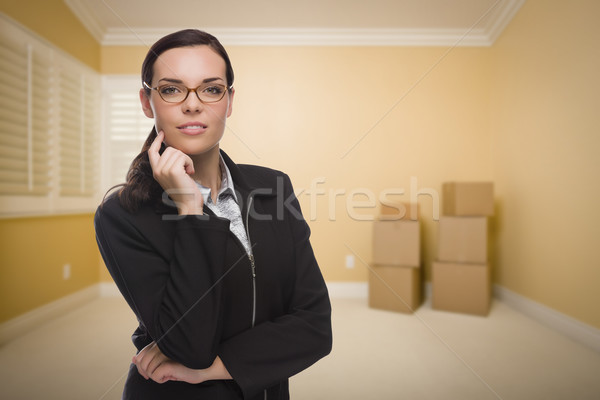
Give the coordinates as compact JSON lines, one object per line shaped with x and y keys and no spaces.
{"x":126,"y":126}
{"x":25,"y":122}
{"x":49,"y":127}
{"x":78,"y":124}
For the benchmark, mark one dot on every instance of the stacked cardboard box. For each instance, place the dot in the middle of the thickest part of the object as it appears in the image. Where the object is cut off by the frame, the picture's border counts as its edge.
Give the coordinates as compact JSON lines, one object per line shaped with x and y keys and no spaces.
{"x":399,"y":211}
{"x":395,"y":276}
{"x":461,"y":275}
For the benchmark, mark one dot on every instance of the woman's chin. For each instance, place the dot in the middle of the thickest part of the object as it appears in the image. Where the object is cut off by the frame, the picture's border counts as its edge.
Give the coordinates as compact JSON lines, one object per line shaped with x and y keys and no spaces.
{"x":193,"y":151}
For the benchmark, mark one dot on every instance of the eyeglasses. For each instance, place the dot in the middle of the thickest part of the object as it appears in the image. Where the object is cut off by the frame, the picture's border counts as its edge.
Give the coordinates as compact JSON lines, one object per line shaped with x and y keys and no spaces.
{"x":174,"y":93}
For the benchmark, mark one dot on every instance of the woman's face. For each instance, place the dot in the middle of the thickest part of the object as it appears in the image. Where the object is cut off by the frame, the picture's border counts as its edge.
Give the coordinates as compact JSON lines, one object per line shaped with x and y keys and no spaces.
{"x":191,"y":126}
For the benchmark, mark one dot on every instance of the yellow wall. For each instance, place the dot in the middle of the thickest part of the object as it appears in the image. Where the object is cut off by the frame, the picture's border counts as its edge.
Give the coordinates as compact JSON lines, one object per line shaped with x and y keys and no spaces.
{"x":32,"y":254}
{"x":400,"y":112}
{"x":54,"y":21}
{"x":122,"y":59}
{"x":546,"y":140}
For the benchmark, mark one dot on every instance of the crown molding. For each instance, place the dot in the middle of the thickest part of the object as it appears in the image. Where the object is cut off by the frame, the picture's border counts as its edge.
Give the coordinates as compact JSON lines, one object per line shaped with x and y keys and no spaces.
{"x":309,"y":37}
{"x":88,"y":19}
{"x":499,"y":17}
{"x":504,"y":15}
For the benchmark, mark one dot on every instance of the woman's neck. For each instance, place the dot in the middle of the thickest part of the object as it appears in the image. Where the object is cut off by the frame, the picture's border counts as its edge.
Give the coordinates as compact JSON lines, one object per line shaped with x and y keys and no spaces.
{"x":207,"y":170}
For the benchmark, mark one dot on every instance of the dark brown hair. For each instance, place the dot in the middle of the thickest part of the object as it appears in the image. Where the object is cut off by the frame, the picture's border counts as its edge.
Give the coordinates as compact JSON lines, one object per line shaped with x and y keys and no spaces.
{"x":140,"y":186}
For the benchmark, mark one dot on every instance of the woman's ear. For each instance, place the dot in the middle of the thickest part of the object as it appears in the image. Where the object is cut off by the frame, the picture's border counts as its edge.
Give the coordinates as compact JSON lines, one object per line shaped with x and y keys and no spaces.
{"x":230,"y":106}
{"x":146,"y":107}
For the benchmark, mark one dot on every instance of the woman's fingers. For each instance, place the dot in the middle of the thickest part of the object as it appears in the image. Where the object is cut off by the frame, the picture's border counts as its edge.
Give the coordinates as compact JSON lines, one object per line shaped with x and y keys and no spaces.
{"x":172,"y":170}
{"x":163,"y":373}
{"x":153,"y":154}
{"x":173,"y":162}
{"x":148,"y":359}
{"x":141,"y":359}
{"x":169,"y":159}
{"x":171,"y":165}
{"x":153,"y":364}
{"x":156,"y":362}
{"x":136,"y":359}
{"x":174,"y":371}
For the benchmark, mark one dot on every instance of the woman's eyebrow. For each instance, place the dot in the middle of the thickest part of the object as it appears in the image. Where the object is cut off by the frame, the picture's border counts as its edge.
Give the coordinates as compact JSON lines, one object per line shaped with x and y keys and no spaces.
{"x":171,"y":80}
{"x":207,"y":80}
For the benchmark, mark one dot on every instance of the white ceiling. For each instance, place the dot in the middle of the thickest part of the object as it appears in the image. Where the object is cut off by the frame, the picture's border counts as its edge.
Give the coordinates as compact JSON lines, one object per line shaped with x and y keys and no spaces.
{"x":301,"y":22}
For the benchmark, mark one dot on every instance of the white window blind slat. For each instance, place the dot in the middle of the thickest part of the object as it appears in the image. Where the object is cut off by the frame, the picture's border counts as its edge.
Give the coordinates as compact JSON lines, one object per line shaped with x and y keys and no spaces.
{"x":7,"y":188}
{"x":10,"y":104}
{"x":15,"y":140}
{"x":15,"y":66}
{"x":13,"y":117}
{"x":17,"y":164}
{"x":12,"y":128}
{"x":10,"y":154}
{"x":40,"y":128}
{"x":70,"y":135}
{"x":9,"y":50}
{"x":15,"y":99}
{"x":42,"y":113}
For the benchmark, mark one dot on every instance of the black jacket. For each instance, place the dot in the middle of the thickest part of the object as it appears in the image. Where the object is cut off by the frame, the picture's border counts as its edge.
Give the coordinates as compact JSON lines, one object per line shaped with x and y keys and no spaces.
{"x":197,"y":294}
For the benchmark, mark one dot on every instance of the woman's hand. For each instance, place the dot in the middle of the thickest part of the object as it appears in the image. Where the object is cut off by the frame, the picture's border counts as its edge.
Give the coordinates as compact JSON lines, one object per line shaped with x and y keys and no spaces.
{"x":173,"y":170}
{"x":153,"y":364}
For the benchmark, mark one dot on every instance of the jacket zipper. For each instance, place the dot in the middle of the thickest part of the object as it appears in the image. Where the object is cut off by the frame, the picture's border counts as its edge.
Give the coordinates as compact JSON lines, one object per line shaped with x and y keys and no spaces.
{"x":252,"y":263}
{"x":253,"y":267}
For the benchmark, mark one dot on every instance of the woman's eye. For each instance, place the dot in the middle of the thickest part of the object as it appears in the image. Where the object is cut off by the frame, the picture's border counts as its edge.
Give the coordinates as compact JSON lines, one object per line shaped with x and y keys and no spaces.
{"x":170,"y":90}
{"x":213,"y":90}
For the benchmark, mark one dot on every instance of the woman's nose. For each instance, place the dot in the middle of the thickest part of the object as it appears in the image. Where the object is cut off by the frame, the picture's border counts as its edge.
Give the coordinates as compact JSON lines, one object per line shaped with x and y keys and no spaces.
{"x":192,"y":103}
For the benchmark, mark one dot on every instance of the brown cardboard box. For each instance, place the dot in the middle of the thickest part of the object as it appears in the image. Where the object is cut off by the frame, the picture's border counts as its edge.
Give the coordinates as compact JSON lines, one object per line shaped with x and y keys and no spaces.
{"x":464,"y":288}
{"x":468,"y":198}
{"x":462,"y":239}
{"x":395,"y":288}
{"x":396,"y":243}
{"x":391,"y":211}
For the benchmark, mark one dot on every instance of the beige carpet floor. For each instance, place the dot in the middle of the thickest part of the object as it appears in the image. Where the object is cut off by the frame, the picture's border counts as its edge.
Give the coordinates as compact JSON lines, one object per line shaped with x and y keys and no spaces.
{"x":377,"y":355}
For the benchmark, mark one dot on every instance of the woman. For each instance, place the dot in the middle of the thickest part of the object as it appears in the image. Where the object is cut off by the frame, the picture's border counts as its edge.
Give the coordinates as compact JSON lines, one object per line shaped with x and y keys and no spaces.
{"x":213,"y":257}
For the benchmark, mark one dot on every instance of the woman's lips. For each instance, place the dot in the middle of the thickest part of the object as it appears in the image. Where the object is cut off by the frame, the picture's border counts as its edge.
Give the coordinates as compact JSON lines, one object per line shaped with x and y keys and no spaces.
{"x":192,"y":128}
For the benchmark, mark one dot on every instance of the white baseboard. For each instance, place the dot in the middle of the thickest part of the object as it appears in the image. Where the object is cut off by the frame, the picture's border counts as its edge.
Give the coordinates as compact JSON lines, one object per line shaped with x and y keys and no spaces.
{"x":24,"y":323}
{"x":341,"y":290}
{"x":428,"y":290}
{"x":574,"y":329}
{"x":109,"y":289}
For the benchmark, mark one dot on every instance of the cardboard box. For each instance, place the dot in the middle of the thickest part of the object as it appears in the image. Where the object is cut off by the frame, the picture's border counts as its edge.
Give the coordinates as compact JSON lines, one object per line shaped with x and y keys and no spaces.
{"x":393,"y":211}
{"x":468,"y":198}
{"x":463,"y":239}
{"x":395,"y":288}
{"x":464,"y":288}
{"x":397,"y":243}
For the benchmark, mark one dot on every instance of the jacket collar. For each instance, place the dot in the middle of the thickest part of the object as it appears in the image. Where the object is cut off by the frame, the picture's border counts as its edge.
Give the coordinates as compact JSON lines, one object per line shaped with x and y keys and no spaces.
{"x":247,"y":179}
